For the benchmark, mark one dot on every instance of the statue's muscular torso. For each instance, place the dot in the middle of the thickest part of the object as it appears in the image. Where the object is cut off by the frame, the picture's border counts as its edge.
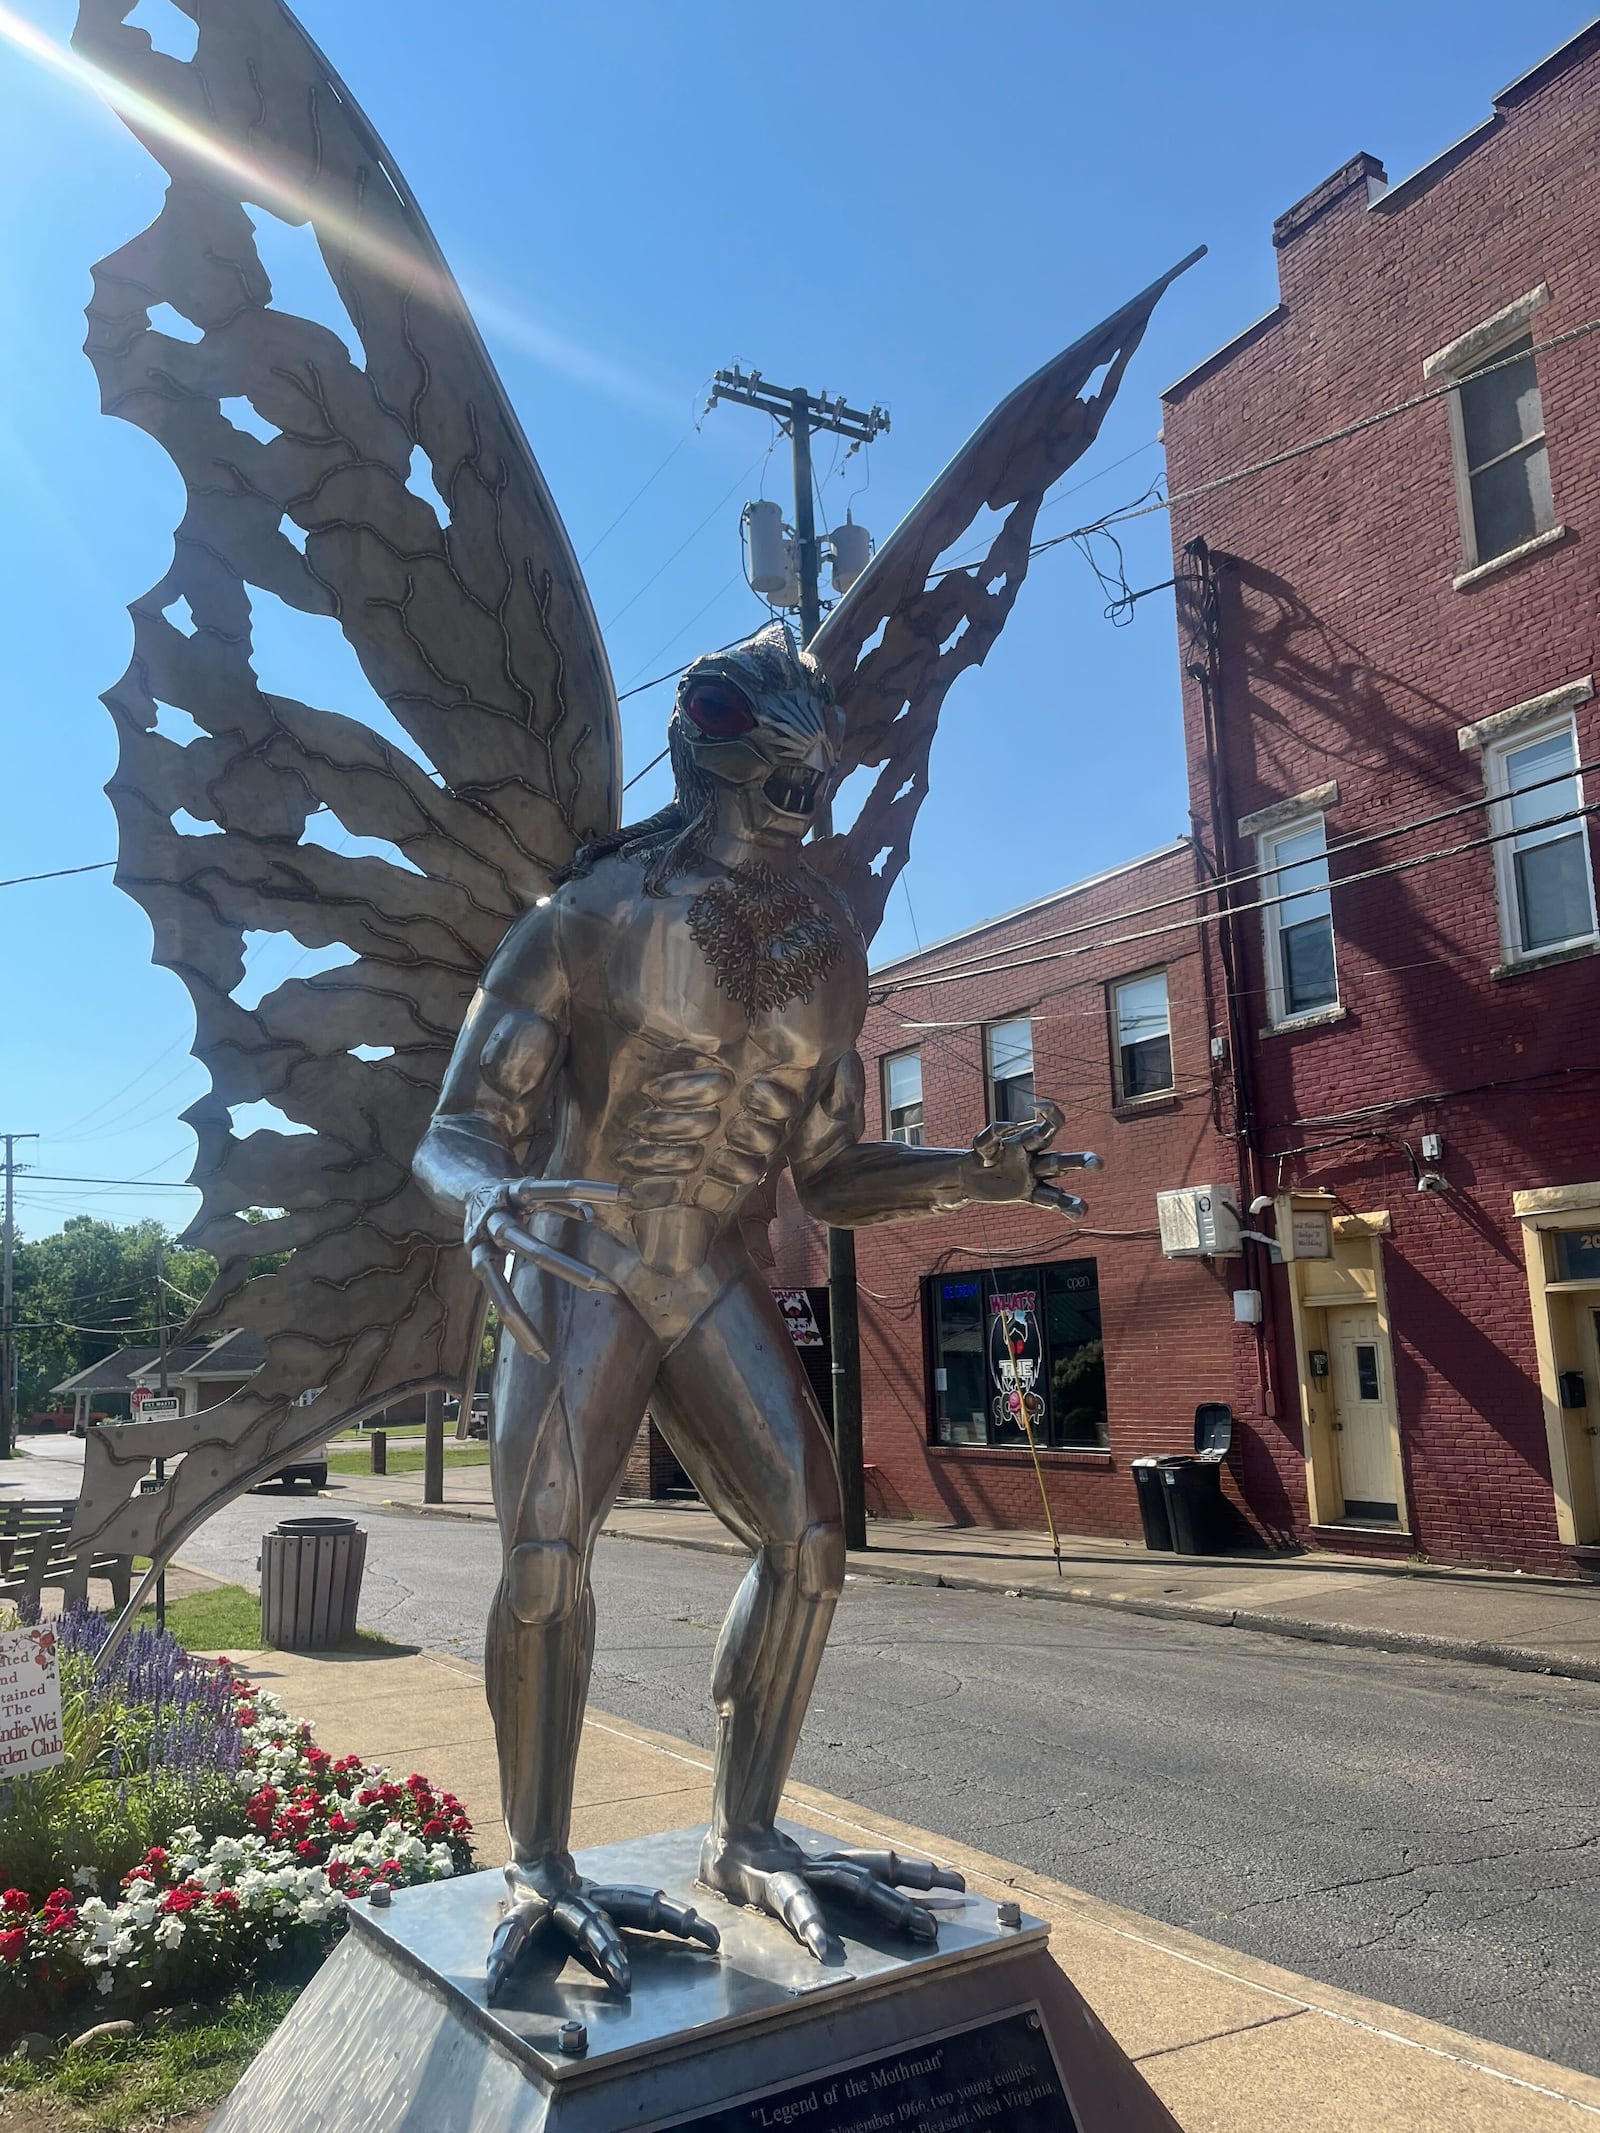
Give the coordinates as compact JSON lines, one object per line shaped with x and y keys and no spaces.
{"x":653,"y":1075}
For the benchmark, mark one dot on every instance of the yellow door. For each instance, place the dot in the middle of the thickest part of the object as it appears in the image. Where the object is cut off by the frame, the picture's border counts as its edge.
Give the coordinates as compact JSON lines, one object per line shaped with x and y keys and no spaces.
{"x":1581,"y":1421}
{"x":1364,"y":1415}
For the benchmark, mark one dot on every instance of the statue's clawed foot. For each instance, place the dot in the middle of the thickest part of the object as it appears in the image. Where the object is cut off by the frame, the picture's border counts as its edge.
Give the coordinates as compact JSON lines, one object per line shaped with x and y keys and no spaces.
{"x":771,"y":1873}
{"x":589,"y":1918}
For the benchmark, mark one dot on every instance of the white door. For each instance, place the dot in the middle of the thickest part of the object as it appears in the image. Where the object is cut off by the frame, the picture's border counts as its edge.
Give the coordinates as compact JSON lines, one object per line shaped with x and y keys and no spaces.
{"x":1363,"y":1414}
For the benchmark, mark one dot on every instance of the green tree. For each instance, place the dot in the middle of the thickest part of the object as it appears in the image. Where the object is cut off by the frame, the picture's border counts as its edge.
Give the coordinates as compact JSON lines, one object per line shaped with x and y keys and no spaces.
{"x":91,"y":1289}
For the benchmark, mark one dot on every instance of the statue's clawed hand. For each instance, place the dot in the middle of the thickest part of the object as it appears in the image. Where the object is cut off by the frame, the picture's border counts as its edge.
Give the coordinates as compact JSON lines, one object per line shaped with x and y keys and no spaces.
{"x":1016,"y":1162}
{"x":494,"y":1226}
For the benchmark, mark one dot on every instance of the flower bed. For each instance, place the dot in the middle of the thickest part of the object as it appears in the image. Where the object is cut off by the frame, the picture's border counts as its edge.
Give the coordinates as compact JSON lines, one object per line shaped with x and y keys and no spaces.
{"x":255,"y":1885}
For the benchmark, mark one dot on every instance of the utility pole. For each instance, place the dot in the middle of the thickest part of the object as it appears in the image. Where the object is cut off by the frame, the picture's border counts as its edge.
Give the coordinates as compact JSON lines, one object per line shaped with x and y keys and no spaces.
{"x":802,"y":414}
{"x":8,"y":1330}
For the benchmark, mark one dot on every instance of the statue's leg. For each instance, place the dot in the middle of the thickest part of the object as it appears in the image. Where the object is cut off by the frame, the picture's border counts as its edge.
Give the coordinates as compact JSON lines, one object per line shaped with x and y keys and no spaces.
{"x":733,"y":1402}
{"x":561,"y":1431}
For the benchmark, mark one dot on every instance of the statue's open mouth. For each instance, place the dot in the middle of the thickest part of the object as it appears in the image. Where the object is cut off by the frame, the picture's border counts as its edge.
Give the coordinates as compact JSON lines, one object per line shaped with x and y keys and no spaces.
{"x":794,"y":790}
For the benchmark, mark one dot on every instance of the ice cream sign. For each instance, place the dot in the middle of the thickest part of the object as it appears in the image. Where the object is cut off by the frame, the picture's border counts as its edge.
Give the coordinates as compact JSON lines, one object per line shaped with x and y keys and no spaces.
{"x":1015,"y":1354}
{"x":30,"y":1702}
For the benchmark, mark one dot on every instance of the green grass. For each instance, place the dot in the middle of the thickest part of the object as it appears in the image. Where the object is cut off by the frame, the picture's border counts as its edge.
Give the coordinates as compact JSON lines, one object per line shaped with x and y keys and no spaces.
{"x":228,"y":1619}
{"x":169,"y":2070}
{"x":407,"y":1458}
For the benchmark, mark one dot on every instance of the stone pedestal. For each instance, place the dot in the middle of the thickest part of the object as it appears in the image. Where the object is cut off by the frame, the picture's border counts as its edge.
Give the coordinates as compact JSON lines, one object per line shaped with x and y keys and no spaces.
{"x":979,"y":2034}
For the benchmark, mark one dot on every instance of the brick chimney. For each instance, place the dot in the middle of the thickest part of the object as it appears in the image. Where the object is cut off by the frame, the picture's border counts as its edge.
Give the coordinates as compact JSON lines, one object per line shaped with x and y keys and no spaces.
{"x":1303,"y":235}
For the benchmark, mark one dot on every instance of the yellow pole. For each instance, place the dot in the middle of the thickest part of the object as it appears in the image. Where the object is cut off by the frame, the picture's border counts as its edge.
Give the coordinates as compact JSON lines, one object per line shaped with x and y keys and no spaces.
{"x":1021,"y":1398}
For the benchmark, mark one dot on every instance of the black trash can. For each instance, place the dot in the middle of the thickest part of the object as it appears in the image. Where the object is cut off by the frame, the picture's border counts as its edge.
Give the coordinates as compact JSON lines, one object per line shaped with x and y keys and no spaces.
{"x":311,"y":1582}
{"x":1200,"y":1515}
{"x":1153,"y":1513}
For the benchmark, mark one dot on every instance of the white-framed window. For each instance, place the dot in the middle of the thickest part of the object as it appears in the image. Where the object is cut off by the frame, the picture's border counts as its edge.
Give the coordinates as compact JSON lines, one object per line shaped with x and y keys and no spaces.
{"x":902,"y":1098}
{"x":1302,"y":978}
{"x":1008,"y":1059}
{"x":1502,"y":466}
{"x":1141,"y":1035}
{"x":1542,"y":871}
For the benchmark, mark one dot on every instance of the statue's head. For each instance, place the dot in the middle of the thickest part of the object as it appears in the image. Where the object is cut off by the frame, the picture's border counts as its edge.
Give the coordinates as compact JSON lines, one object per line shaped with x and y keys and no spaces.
{"x":760,"y":718}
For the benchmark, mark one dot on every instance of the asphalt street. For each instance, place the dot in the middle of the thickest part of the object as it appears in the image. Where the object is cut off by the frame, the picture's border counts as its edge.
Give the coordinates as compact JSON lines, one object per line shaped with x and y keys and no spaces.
{"x":1420,"y":1831}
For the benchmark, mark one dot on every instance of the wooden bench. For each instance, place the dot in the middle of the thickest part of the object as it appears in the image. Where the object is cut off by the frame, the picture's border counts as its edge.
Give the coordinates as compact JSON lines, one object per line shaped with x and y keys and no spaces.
{"x":36,"y":1550}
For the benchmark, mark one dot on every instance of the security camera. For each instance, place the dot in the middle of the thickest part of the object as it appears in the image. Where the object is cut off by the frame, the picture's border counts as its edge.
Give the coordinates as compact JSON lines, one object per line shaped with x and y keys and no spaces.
{"x":1431,"y":1181}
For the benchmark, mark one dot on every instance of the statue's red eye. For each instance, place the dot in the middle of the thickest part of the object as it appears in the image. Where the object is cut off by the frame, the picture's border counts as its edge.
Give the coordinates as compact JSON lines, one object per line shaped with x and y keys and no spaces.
{"x":718,"y":710}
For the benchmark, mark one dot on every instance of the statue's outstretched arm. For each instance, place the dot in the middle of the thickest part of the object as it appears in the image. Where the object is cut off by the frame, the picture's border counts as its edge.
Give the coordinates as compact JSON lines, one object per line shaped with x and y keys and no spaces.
{"x":505,"y":1061}
{"x":850,"y":1183}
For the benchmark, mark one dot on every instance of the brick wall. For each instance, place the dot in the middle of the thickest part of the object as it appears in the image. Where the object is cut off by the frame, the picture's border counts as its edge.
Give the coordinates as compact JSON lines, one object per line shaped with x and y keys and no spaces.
{"x":1168,"y":1326}
{"x":1346,"y":653}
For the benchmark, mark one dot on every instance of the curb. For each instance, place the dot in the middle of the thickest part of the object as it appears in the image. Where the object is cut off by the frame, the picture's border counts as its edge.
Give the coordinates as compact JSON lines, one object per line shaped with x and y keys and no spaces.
{"x":1357,"y":1636}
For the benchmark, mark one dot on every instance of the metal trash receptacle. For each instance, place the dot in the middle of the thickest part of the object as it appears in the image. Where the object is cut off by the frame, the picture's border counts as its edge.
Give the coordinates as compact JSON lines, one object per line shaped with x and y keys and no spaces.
{"x":311,"y":1582}
{"x":1201,"y":1516}
{"x":1153,"y":1513}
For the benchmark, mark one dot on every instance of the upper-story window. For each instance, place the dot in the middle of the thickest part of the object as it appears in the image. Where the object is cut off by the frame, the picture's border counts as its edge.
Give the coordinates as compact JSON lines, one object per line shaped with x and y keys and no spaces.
{"x":1502,"y":466}
{"x":1141,"y":1036}
{"x":1298,"y":921}
{"x":1545,"y":881}
{"x":902,"y":1097}
{"x":1009,"y":1060}
{"x":1504,"y":462}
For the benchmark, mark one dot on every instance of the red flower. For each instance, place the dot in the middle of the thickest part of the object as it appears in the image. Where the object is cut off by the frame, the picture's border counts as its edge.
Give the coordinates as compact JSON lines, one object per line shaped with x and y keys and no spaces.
{"x":391,"y":1869}
{"x":363,"y":1799}
{"x":435,"y":1826}
{"x":17,"y":1900}
{"x":13,"y":1942}
{"x":61,"y":1920}
{"x":156,"y":1857}
{"x":136,"y":1873}
{"x":338,"y":1872}
{"x":182,"y":1898}
{"x":58,"y":1898}
{"x":226,"y":1900}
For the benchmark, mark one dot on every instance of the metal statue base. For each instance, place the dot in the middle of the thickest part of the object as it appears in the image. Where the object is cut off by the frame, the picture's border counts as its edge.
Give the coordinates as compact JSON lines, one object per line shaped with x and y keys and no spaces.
{"x":979,"y":2032}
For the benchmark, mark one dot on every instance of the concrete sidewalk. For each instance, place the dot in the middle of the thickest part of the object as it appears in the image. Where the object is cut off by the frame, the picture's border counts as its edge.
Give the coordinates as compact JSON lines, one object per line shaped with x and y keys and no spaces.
{"x":1535,"y":1625}
{"x":1231,"y":2045}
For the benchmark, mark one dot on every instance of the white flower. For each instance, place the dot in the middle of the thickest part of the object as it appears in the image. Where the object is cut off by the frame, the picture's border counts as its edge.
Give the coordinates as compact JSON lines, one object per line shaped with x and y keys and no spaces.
{"x":170,"y":1930}
{"x":274,"y":1941}
{"x":105,"y":1981}
{"x":84,"y":1877}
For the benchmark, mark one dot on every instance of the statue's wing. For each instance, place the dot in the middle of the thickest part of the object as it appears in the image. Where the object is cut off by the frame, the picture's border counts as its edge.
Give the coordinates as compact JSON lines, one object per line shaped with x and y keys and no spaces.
{"x":935,"y":625}
{"x":470,"y":619}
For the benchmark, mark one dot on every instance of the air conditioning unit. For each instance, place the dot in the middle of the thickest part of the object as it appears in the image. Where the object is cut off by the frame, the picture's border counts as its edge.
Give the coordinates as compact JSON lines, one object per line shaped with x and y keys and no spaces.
{"x":1199,"y":1222}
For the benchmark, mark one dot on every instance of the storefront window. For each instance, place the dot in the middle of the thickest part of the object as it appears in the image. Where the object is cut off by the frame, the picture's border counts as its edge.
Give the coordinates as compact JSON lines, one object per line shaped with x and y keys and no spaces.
{"x":1019,"y":1344}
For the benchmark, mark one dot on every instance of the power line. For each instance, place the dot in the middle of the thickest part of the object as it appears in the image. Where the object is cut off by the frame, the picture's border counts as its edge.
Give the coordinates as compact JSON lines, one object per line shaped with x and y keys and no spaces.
{"x":595,"y":546}
{"x":57,"y":873}
{"x":732,"y":490}
{"x":1242,"y":876}
{"x":1263,"y":903}
{"x":51,"y":1177}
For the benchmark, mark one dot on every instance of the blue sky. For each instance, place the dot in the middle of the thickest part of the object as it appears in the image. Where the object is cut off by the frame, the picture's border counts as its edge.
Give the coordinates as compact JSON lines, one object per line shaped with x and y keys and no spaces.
{"x":920,"y":212}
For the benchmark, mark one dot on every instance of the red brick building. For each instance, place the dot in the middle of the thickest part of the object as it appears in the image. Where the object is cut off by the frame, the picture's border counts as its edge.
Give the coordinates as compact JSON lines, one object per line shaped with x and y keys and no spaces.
{"x":1389,"y":637}
{"x":1116,"y":1345}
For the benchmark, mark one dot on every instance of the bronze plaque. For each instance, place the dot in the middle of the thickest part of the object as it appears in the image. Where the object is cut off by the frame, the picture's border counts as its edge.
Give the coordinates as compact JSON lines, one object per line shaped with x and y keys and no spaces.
{"x":999,"y":2076}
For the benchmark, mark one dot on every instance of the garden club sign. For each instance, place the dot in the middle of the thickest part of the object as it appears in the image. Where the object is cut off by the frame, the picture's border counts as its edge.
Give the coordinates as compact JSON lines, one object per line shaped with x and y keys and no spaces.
{"x":30,"y":1702}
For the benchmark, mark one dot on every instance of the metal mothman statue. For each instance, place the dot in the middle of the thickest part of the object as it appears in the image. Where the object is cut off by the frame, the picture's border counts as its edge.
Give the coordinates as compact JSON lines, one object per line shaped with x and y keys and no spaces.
{"x":563,"y":1062}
